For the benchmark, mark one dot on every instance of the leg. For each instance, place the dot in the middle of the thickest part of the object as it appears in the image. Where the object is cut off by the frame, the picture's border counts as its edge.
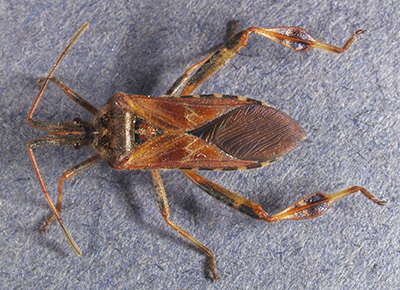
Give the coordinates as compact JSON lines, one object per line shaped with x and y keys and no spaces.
{"x":164,"y":208}
{"x":292,"y":37}
{"x":183,"y":79}
{"x":42,"y":142}
{"x":67,"y":175}
{"x":50,"y":75}
{"x":309,"y":207}
{"x":72,"y":95}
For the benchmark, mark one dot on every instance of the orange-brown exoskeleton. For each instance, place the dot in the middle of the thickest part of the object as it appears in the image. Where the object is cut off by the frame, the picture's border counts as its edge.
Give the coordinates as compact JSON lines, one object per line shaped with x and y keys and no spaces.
{"x":188,"y":132}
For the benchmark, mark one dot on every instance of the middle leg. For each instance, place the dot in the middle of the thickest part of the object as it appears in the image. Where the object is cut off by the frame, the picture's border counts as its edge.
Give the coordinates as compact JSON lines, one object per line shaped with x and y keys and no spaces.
{"x":164,"y":208}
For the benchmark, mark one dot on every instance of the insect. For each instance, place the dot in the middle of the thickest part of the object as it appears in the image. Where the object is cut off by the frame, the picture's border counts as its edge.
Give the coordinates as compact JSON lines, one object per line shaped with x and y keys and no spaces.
{"x":187,"y":132}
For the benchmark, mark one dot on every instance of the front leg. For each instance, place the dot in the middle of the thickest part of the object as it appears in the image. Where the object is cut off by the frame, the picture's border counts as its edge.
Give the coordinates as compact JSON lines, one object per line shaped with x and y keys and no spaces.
{"x":43,"y":142}
{"x":65,"y":176}
{"x":71,"y":94}
{"x":312,"y":206}
{"x":292,"y":37}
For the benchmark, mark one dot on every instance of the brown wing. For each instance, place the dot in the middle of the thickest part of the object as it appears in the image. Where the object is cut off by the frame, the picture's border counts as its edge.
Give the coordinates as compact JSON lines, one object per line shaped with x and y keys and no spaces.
{"x":253,"y":132}
{"x":183,"y":151}
{"x":185,"y":112}
{"x":210,"y":132}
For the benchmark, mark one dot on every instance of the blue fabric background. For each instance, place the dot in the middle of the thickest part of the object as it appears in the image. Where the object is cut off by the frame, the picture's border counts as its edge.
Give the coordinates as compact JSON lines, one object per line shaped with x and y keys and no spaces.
{"x":348,"y":104}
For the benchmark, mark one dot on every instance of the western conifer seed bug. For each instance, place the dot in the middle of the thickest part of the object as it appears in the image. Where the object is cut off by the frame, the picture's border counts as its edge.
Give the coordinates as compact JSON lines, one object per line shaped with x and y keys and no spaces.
{"x":188,"y":132}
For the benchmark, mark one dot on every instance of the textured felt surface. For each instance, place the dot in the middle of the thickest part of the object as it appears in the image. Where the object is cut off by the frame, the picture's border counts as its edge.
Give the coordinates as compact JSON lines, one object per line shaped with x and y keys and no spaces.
{"x":348,"y":104}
